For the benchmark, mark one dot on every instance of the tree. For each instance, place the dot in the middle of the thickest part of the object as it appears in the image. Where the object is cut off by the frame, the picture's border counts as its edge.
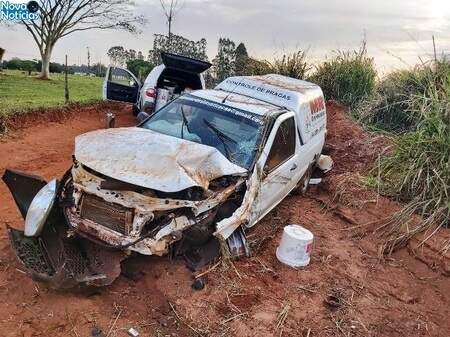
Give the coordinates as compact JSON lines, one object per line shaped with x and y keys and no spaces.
{"x":178,"y":45}
{"x":131,"y":54}
{"x":170,"y":10}
{"x":59,"y":18}
{"x":224,"y":62}
{"x":99,"y":69}
{"x":242,"y":60}
{"x":18,"y":64}
{"x":140,"y":68}
{"x":28,"y":66}
{"x":118,"y":55}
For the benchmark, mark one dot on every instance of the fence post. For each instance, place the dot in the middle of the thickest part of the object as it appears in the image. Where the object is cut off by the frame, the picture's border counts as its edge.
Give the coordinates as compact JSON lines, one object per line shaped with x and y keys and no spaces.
{"x":2,"y":52}
{"x":66,"y":86}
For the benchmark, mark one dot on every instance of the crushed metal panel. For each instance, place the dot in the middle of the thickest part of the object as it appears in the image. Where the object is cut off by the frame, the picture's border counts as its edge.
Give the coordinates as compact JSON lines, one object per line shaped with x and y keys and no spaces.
{"x":149,"y":159}
{"x":242,"y":215}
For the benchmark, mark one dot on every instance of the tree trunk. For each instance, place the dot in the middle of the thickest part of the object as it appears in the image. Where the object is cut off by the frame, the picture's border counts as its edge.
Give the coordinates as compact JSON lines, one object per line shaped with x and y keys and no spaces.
{"x":45,"y":68}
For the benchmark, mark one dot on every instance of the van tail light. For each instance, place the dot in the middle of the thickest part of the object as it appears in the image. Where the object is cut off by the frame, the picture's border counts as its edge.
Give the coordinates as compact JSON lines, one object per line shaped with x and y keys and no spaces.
{"x":150,"y":92}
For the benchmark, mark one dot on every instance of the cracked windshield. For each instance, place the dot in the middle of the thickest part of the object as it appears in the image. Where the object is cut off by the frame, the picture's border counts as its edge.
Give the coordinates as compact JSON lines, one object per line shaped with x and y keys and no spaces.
{"x":234,"y":132}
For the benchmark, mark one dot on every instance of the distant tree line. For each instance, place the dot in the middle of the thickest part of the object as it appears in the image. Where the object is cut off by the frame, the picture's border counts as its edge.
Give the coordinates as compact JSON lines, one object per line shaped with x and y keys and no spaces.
{"x":231,"y":59}
{"x":31,"y":66}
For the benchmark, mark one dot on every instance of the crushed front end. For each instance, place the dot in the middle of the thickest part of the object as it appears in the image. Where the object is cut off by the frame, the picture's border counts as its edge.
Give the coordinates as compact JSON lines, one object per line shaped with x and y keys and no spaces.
{"x":97,"y":221}
{"x":124,"y":216}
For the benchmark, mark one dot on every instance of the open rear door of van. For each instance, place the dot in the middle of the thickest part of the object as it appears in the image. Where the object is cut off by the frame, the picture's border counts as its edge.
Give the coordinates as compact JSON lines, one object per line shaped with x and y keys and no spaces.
{"x":183,"y":63}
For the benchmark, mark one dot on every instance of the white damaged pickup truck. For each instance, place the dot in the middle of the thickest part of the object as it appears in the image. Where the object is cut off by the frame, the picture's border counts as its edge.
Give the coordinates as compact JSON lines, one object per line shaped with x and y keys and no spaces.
{"x":187,"y":181}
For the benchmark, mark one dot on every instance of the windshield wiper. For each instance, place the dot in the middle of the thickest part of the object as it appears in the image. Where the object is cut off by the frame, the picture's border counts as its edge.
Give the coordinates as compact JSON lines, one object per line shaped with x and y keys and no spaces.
{"x":222,"y":137}
{"x":219,"y":132}
{"x":185,"y":122}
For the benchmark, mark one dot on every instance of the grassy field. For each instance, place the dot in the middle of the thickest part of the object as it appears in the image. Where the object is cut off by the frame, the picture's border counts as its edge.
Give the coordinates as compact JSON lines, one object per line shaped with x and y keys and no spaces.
{"x":21,"y":93}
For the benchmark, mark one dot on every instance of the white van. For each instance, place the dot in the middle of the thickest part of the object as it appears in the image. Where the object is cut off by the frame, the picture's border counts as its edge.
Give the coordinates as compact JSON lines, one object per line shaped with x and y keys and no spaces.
{"x":199,"y":171}
{"x":165,"y":82}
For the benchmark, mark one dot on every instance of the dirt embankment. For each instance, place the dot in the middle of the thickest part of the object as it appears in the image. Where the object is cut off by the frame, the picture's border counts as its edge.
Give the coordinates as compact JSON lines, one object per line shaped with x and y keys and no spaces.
{"x":346,"y":291}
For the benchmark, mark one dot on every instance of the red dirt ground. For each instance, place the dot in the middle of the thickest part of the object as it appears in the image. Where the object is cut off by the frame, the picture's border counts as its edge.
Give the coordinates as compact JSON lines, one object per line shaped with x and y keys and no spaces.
{"x":345,"y":291}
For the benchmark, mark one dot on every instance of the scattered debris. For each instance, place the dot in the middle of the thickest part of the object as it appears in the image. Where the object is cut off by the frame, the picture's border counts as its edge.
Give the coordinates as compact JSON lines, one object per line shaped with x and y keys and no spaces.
{"x":110,"y":120}
{"x":133,"y":332}
{"x":283,"y":315}
{"x":97,"y":332}
{"x":198,"y":284}
{"x":334,"y":299}
{"x":315,"y":181}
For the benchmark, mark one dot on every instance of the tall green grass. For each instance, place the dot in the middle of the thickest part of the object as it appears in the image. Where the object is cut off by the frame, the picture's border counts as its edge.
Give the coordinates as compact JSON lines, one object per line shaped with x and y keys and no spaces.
{"x":349,"y":77}
{"x":417,"y":171}
{"x":393,"y":106}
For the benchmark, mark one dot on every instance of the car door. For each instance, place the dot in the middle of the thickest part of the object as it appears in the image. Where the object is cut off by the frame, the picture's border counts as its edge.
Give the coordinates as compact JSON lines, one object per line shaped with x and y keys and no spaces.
{"x":121,"y":85}
{"x":282,"y":166}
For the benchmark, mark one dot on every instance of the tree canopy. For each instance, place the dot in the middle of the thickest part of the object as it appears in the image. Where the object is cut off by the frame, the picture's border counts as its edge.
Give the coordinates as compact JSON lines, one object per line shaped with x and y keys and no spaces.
{"x":59,"y":18}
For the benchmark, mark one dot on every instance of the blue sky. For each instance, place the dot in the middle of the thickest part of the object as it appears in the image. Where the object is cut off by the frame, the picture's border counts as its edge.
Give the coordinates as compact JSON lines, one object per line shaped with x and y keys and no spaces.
{"x":398,"y":32}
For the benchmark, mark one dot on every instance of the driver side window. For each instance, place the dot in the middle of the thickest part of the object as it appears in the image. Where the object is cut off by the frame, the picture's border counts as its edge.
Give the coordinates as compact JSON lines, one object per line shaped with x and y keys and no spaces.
{"x":122,"y":77}
{"x":283,"y":147}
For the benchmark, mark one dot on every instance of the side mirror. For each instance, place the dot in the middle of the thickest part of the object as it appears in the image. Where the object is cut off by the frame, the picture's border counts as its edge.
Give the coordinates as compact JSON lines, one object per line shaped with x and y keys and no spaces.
{"x":142,"y":116}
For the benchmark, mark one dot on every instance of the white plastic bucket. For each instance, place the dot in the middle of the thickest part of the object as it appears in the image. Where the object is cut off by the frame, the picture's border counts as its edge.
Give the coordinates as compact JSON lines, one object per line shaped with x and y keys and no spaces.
{"x":325,"y":163}
{"x":295,"y":246}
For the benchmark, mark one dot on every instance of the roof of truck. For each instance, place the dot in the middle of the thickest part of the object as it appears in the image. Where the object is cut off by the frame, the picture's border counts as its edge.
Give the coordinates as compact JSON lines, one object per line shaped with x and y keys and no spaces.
{"x":237,"y":101}
{"x":281,"y":91}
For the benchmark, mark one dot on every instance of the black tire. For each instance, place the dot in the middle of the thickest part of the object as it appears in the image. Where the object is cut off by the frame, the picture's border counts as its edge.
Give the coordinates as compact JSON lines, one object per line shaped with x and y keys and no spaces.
{"x":135,"y":110}
{"x":303,"y":184}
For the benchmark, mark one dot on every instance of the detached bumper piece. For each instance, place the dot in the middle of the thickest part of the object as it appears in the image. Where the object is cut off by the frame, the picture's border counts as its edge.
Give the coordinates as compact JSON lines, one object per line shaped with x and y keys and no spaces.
{"x":56,"y":257}
{"x":65,"y":263}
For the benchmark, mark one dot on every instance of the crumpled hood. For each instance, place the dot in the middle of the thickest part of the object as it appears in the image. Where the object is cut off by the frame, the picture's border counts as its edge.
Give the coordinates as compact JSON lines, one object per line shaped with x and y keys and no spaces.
{"x":149,"y":159}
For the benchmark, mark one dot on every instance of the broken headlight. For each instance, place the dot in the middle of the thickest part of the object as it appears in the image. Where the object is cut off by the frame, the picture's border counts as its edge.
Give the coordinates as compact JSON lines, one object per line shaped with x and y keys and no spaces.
{"x":40,"y":209}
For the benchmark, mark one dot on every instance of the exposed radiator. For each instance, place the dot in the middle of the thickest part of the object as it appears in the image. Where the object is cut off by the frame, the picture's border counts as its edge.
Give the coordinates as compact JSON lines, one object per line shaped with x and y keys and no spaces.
{"x":112,"y":216}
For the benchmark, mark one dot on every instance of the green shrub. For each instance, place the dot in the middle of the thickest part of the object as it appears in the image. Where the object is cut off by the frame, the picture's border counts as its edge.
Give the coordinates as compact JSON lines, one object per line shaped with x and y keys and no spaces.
{"x":292,"y":65}
{"x":348,"y":78}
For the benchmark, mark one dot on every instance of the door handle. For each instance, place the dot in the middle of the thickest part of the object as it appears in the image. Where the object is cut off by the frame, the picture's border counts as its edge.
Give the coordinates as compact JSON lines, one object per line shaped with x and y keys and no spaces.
{"x":294,"y":167}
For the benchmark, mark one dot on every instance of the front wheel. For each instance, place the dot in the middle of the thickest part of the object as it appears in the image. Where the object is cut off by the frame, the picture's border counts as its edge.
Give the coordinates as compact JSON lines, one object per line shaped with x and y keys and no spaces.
{"x":303,"y":184}
{"x":136,"y":110}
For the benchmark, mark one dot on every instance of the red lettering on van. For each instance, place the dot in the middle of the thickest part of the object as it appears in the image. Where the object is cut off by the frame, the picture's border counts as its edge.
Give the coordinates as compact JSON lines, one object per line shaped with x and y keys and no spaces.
{"x":317,"y":105}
